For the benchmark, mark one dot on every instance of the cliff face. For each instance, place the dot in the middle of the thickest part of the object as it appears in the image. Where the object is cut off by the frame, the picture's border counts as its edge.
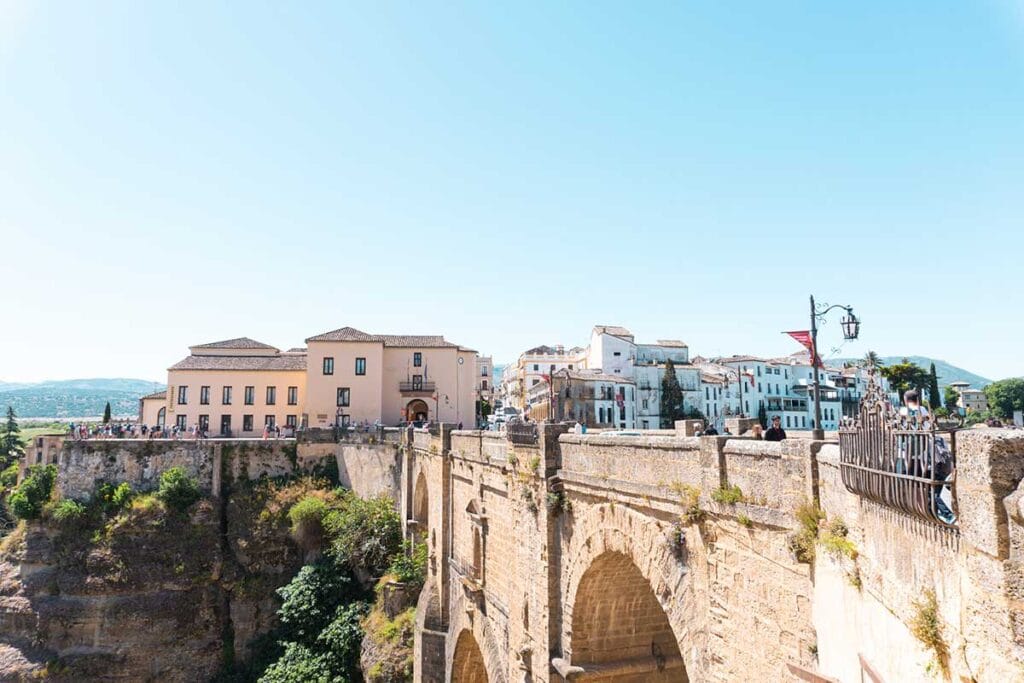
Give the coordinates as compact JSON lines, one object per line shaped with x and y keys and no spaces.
{"x":149,"y":595}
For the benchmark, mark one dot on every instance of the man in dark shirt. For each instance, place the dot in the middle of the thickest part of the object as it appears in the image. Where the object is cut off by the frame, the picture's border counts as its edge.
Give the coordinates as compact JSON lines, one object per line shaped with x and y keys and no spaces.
{"x":775,"y":432}
{"x":711,"y":431}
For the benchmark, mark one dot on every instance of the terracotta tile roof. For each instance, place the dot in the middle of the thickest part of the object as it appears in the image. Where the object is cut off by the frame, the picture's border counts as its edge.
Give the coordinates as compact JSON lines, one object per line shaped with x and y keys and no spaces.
{"x":614,"y":330}
{"x":257,"y":363}
{"x":351,"y":334}
{"x":675,"y":343}
{"x":156,"y":394}
{"x":239,"y":343}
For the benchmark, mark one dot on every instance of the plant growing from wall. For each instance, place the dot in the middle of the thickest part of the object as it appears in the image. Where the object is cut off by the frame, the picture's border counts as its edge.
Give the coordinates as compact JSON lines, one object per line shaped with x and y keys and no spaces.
{"x":744,"y":520}
{"x":689,"y":499}
{"x":728,"y":495}
{"x":409,"y":566}
{"x":926,"y":625}
{"x":803,"y":540}
{"x":557,"y":502}
{"x":307,"y":522}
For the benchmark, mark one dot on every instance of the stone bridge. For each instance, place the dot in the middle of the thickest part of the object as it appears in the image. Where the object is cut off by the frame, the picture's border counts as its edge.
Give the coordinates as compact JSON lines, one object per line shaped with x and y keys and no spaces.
{"x":590,"y":557}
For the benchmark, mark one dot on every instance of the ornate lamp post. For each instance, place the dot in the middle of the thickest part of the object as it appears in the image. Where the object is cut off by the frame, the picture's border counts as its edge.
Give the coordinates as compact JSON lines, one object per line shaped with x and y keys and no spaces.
{"x":851,"y":328}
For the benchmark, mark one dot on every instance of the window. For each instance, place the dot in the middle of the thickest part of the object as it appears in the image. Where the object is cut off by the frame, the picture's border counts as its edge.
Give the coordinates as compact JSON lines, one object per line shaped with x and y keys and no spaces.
{"x":645,"y":404}
{"x":758,"y":370}
{"x":417,"y":359}
{"x":293,"y":396}
{"x":803,"y":420}
{"x":250,"y":395}
{"x":536,"y":368}
{"x":328,"y":365}
{"x":225,"y":396}
{"x":483,"y":384}
{"x":787,"y":421}
{"x":617,"y":354}
{"x":247,"y":423}
{"x":270,"y":421}
{"x":182,"y":396}
{"x":204,"y":396}
{"x":271,"y":395}
{"x":417,"y":382}
{"x":181,"y":421}
{"x":204,"y":423}
{"x":483,"y":371}
{"x":759,"y":387}
{"x":344,"y":396}
{"x":535,"y":382}
{"x":707,"y":393}
{"x":291,"y":421}
{"x":570,"y":366}
{"x":360,"y":366}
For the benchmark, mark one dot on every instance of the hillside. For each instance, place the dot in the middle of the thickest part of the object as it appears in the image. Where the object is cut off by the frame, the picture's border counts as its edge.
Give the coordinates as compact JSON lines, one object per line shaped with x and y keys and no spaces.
{"x":947,"y":372}
{"x":75,"y":397}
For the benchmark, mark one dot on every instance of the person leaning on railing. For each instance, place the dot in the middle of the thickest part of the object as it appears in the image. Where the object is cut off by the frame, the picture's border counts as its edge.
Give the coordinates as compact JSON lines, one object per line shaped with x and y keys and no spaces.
{"x":927,"y":457}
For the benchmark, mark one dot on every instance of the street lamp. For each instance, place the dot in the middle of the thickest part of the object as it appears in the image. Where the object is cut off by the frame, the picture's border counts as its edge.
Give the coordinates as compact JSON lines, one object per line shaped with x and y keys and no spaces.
{"x":851,"y":329}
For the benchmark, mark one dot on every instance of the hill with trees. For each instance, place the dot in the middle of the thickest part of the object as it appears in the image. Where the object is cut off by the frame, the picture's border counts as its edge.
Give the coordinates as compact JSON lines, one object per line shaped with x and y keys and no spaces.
{"x":75,"y":397}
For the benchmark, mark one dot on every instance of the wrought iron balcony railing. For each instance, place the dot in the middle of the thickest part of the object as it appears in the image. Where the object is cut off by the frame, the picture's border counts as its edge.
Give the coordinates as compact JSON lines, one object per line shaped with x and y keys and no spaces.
{"x":416,"y":386}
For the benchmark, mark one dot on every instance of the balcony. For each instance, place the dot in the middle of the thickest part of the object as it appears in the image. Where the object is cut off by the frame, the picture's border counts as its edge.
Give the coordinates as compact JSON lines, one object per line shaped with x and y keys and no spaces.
{"x":416,"y":387}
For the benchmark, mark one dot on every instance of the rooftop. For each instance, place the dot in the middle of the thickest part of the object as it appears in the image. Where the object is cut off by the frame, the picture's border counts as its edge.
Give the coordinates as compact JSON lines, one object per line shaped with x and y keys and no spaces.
{"x":156,"y":394}
{"x":351,"y":334}
{"x":289,"y":361}
{"x":238,"y":343}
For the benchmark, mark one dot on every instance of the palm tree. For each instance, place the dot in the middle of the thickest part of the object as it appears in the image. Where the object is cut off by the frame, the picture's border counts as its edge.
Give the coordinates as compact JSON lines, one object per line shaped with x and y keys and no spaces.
{"x":872,"y":360}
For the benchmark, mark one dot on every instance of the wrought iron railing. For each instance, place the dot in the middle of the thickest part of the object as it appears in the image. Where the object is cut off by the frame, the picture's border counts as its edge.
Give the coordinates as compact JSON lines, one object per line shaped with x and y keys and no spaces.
{"x":900,"y":459}
{"x":416,"y":386}
{"x":523,"y":433}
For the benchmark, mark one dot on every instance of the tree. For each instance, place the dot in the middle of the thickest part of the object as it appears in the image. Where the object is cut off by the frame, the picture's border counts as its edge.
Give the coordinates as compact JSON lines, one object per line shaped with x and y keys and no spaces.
{"x":106,"y":413}
{"x":905,"y":375}
{"x":10,"y":440}
{"x":1005,"y":396}
{"x":671,"y":396}
{"x":872,"y":360}
{"x":934,"y":397}
{"x":952,"y":399}
{"x":762,"y":415}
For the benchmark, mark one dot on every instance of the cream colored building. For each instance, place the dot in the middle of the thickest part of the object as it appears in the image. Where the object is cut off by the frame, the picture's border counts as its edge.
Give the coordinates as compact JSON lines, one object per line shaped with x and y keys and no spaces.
{"x":355,"y":377}
{"x":234,"y":388}
{"x":153,"y":409}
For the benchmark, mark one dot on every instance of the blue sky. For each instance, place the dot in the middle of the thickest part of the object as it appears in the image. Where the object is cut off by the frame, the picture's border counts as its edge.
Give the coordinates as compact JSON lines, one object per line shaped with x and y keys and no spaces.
{"x":508,"y":174}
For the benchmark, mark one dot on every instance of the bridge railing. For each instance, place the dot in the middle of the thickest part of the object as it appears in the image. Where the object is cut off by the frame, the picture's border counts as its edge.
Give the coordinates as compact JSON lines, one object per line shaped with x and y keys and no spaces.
{"x":900,"y":459}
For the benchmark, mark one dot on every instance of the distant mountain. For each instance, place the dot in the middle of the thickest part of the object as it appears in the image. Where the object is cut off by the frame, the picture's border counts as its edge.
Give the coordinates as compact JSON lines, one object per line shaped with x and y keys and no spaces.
{"x":75,"y":397}
{"x":947,"y":372}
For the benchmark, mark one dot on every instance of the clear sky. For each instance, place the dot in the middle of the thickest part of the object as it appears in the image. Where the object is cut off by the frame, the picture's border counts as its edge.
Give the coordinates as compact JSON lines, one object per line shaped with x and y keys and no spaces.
{"x":508,"y":174}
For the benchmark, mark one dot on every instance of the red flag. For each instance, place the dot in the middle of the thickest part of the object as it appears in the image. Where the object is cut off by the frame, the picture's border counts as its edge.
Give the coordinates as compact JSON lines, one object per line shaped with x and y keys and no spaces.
{"x":804,"y":337}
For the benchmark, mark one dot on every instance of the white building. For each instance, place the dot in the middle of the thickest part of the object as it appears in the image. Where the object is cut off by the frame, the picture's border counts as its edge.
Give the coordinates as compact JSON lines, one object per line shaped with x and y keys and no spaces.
{"x":535,"y":365}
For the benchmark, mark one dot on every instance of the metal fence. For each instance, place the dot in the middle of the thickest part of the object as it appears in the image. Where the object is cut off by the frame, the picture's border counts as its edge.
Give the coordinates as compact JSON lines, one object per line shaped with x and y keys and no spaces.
{"x":900,"y":459}
{"x":522,"y":433}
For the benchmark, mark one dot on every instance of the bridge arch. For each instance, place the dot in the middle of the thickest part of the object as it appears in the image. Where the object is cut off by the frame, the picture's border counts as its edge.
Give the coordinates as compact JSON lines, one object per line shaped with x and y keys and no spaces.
{"x":468,"y":661}
{"x":421,"y":507}
{"x":622,"y":574}
{"x":469,"y":625}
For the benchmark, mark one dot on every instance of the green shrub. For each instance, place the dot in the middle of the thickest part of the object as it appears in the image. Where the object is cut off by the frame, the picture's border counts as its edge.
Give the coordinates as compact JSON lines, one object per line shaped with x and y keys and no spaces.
{"x":310,"y":600}
{"x":343,"y":638}
{"x":364,"y":533}
{"x":69,"y":512}
{"x":299,"y":664}
{"x":409,"y":565}
{"x":834,"y":540}
{"x":728,"y":495}
{"x":27,"y":500}
{"x":9,"y":476}
{"x":689,"y":498}
{"x":177,"y":489}
{"x":307,"y":518}
{"x":114,"y":499}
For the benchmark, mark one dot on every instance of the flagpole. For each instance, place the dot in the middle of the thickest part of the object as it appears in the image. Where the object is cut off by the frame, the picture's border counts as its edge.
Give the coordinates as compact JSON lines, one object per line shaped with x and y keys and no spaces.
{"x":817,"y":433}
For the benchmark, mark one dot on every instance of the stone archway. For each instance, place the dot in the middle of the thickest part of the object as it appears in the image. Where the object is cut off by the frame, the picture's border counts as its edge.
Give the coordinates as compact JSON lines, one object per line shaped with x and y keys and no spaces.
{"x":468,"y":662}
{"x":611,"y":548}
{"x":619,"y":630}
{"x":417,"y":410}
{"x":421,"y":508}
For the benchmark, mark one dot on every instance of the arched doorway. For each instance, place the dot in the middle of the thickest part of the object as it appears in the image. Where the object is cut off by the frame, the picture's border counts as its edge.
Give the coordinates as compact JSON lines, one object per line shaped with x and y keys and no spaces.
{"x":417,"y":410}
{"x":619,"y":630}
{"x":468,"y":662}
{"x":161,"y":417}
